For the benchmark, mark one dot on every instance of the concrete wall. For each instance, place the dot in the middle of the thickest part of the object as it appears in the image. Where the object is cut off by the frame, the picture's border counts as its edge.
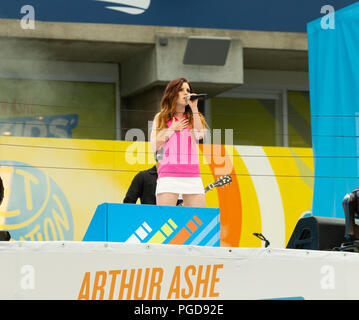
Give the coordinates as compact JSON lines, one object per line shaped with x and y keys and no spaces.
{"x":162,"y":63}
{"x":138,"y":109}
{"x":130,"y":38}
{"x":146,"y":67}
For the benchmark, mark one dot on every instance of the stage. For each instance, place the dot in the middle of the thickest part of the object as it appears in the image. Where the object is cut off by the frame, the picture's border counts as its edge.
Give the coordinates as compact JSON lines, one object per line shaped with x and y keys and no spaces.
{"x":72,"y":270}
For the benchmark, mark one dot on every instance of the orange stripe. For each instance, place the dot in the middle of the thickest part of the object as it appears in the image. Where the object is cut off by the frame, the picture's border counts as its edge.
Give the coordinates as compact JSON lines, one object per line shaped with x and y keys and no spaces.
{"x":199,"y":222}
{"x":191,"y":226}
{"x":230,"y":204}
{"x":180,"y":237}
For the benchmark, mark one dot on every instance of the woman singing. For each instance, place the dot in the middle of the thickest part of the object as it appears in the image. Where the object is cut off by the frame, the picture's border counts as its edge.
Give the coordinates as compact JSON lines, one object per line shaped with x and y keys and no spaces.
{"x":176,"y":129}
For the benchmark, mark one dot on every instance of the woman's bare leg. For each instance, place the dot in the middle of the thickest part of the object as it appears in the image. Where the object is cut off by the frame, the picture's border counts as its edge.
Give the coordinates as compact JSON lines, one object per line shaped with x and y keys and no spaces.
{"x":194,"y":200}
{"x":166,"y":199}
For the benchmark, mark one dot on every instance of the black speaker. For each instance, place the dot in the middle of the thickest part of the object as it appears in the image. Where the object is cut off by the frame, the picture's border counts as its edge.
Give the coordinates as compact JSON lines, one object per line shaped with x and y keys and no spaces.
{"x":318,"y":233}
{"x":4,"y":235}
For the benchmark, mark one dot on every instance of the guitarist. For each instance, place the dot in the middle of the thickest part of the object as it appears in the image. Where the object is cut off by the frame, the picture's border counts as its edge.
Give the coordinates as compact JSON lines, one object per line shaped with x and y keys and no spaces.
{"x":1,"y":191}
{"x":143,"y":186}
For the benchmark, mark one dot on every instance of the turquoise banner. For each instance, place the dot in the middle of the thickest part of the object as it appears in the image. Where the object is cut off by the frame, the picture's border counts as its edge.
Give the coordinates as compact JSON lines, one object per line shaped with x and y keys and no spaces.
{"x":135,"y":223}
{"x":334,"y":99}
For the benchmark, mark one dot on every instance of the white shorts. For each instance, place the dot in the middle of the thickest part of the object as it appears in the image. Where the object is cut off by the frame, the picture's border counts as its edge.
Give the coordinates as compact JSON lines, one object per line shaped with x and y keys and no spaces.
{"x":180,"y":185}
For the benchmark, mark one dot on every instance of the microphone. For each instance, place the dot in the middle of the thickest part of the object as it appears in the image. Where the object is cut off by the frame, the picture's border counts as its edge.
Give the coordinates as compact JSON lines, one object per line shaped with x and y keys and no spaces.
{"x":198,"y":96}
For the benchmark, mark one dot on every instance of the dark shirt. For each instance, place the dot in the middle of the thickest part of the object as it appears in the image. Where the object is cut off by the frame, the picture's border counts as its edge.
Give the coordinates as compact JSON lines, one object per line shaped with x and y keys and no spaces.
{"x":1,"y":191}
{"x":143,"y":186}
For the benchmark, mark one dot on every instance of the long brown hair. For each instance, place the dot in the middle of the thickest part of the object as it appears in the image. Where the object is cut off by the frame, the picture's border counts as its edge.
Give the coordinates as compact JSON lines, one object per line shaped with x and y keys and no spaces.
{"x":168,"y":105}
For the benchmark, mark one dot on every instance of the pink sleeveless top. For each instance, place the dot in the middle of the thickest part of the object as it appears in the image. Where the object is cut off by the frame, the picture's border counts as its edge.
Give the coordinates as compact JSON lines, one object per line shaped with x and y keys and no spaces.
{"x":180,"y":155}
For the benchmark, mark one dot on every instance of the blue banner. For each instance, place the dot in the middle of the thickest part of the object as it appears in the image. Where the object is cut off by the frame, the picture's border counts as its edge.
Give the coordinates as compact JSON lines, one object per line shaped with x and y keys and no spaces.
{"x":136,"y":223}
{"x":58,"y":126}
{"x":266,"y":15}
{"x":334,"y":86}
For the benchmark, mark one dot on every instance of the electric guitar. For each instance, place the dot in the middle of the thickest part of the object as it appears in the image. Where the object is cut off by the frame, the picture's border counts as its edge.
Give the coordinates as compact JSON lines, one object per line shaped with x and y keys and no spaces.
{"x":220,"y":182}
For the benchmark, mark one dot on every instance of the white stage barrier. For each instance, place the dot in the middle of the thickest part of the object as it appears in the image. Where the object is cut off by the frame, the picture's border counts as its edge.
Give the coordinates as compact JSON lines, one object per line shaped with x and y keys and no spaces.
{"x":99,"y":270}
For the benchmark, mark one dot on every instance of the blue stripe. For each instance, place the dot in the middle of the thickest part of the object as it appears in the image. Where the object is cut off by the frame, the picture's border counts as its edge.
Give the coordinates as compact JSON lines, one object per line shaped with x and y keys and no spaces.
{"x":206,"y":230}
{"x":213,"y":241}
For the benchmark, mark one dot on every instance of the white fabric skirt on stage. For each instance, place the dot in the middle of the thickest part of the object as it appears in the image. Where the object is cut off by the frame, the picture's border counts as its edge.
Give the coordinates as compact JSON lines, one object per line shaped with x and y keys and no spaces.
{"x":181,"y":185}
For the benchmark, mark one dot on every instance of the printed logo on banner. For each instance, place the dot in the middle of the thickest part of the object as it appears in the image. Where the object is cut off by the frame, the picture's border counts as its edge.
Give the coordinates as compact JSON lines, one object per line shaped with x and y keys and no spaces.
{"x":154,"y":224}
{"x":58,"y":126}
{"x":193,"y":231}
{"x":180,"y":235}
{"x":165,"y":231}
{"x":34,"y":206}
{"x":129,"y":6}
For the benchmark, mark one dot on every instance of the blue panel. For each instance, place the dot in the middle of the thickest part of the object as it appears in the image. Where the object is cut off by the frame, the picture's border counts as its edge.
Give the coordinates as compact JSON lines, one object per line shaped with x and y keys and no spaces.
{"x":334,"y":100}
{"x":97,"y":230}
{"x":267,"y":15}
{"x":155,"y":224}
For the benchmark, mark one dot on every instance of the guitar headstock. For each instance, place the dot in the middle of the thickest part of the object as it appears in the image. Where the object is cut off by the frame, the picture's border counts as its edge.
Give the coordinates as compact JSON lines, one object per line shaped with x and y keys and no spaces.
{"x":222,"y":181}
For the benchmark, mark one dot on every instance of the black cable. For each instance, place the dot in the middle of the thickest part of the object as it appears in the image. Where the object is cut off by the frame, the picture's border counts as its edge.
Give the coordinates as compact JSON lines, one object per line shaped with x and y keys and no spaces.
{"x":154,"y":112}
{"x":49,"y":105}
{"x":235,"y":132}
{"x":202,"y":173}
{"x":263,"y":238}
{"x":203,"y":154}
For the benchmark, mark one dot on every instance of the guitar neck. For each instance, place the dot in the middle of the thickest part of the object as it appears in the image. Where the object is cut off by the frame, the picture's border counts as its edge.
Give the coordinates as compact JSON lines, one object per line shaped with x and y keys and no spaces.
{"x":218,"y":183}
{"x":209,"y":187}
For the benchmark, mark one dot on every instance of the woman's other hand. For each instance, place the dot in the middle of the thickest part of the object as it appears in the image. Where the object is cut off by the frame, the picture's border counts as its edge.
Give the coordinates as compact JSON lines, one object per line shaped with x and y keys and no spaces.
{"x":178,"y":125}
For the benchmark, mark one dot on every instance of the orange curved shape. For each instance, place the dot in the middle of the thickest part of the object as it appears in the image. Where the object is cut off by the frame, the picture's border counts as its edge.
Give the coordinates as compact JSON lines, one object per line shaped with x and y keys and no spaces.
{"x":229,"y":198}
